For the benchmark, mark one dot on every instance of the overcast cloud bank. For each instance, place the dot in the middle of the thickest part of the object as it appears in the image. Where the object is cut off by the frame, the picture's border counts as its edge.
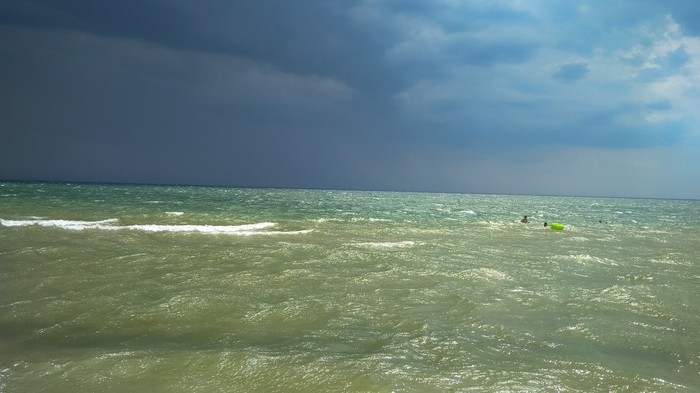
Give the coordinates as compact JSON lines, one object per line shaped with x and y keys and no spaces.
{"x":536,"y":97}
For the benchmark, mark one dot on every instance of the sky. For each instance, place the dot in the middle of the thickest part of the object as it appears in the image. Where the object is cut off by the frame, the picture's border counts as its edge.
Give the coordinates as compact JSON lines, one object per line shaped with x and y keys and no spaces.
{"x":543,"y":97}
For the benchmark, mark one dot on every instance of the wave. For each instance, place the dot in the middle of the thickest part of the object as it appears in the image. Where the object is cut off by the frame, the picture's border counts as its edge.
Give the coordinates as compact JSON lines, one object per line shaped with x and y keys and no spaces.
{"x":111,"y":225}
{"x":64,"y":224}
{"x":248,"y":229}
{"x":370,"y":219}
{"x":485,"y":273}
{"x":586,"y":259}
{"x":403,"y":244}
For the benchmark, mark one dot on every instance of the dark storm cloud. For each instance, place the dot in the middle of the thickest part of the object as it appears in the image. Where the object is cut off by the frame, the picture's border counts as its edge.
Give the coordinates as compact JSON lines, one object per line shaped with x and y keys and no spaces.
{"x":306,"y":37}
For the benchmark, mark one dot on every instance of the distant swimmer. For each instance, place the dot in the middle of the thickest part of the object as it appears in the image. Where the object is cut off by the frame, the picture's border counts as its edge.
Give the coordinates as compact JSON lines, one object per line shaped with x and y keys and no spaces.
{"x":524,"y":220}
{"x":545,"y":225}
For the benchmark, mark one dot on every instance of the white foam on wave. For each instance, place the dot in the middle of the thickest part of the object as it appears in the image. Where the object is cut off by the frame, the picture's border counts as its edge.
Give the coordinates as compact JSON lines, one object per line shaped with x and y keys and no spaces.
{"x":111,"y":225}
{"x":174,"y":214}
{"x":495,"y":225}
{"x":402,"y":244}
{"x":64,"y":224}
{"x":299,"y":232}
{"x":247,"y":229}
{"x":325,"y":220}
{"x":370,"y":219}
{"x":487,"y":274}
{"x":587,"y":259}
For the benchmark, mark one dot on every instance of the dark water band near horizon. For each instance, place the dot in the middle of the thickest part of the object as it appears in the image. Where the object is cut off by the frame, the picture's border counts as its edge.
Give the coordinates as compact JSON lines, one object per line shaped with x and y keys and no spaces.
{"x":193,"y":289}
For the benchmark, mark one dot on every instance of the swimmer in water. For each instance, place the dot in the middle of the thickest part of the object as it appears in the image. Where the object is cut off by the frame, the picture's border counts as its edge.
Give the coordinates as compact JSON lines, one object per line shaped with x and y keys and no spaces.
{"x":545,"y":225}
{"x":524,"y":220}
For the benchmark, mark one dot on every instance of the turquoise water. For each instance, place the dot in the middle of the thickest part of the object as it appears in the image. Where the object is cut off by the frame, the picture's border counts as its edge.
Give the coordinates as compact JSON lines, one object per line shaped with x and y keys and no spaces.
{"x":185,"y":289}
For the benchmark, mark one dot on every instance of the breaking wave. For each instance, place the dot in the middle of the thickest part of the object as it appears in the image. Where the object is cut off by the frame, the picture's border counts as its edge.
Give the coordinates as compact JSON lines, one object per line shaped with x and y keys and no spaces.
{"x":112,"y":225}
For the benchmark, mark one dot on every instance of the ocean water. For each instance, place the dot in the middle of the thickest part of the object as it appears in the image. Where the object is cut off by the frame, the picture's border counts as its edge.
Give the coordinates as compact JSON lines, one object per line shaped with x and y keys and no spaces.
{"x":125,"y":288}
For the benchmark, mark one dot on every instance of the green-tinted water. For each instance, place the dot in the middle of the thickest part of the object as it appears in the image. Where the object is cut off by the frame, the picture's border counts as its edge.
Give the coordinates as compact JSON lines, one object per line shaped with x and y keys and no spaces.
{"x":122,"y":288}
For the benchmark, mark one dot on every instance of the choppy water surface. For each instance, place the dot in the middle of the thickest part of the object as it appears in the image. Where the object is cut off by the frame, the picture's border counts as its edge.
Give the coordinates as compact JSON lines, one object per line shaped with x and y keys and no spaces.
{"x":182,"y":289}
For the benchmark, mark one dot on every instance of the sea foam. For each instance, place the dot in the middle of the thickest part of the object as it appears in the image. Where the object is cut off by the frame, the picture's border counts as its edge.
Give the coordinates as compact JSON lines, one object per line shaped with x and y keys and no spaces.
{"x":111,"y":225}
{"x":248,"y":229}
{"x":403,"y":244}
{"x":64,"y":224}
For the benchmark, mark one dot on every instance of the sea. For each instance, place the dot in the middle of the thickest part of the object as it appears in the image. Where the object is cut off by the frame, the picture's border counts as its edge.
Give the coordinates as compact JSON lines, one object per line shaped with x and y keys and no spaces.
{"x":140,"y":288}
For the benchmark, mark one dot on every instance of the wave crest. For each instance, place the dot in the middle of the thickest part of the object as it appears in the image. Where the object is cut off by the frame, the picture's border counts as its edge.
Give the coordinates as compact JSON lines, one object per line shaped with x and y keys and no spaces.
{"x":111,"y":225}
